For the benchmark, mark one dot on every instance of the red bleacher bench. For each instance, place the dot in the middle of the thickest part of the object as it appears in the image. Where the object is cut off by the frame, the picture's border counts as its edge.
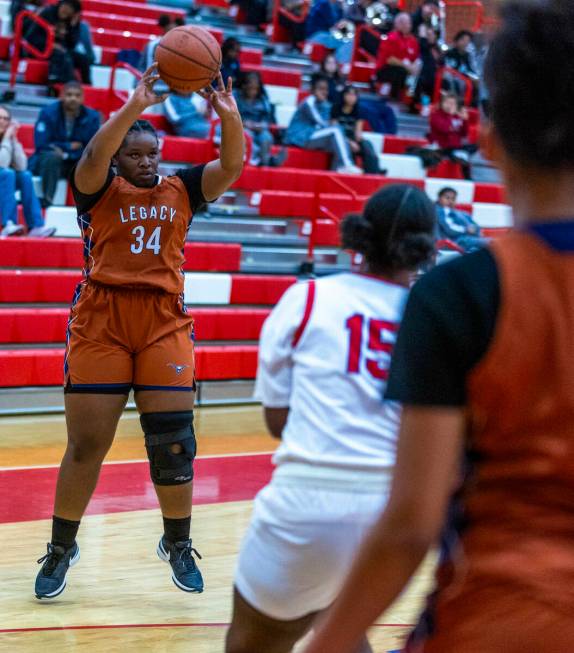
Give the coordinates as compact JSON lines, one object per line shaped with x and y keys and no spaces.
{"x":141,"y":9}
{"x":276,"y":76}
{"x":68,"y":253}
{"x":48,"y":325}
{"x":187,"y":150}
{"x":133,"y":23}
{"x":44,"y":367}
{"x":258,"y":289}
{"x":57,"y":287}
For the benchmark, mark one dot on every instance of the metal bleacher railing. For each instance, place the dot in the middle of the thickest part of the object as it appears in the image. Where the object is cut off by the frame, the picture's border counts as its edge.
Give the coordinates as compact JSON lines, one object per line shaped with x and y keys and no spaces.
{"x":20,"y":44}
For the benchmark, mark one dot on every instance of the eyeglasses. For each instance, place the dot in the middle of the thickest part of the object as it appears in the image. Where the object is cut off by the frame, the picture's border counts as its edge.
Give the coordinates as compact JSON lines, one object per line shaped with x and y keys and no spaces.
{"x":4,"y":117}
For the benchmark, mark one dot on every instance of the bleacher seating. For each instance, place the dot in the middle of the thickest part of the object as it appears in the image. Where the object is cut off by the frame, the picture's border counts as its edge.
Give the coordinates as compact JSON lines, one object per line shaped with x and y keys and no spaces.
{"x":37,"y":280}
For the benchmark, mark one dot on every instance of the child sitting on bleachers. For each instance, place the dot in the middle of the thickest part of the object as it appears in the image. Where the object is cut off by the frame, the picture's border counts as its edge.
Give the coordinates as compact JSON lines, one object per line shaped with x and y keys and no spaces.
{"x":187,"y":114}
{"x":258,"y":115}
{"x":311,"y":128}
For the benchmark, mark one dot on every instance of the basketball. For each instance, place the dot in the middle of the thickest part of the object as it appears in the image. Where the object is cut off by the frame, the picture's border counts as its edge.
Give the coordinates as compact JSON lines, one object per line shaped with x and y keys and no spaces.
{"x":188,"y":58}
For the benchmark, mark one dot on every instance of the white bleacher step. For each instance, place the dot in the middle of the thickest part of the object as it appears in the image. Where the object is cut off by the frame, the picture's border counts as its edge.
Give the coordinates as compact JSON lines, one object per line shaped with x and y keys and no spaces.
{"x":492,"y":216}
{"x":124,"y":80}
{"x":60,"y":194}
{"x":402,"y":166}
{"x":284,"y":114}
{"x":376,"y":140}
{"x":282,"y":95}
{"x":63,"y":218}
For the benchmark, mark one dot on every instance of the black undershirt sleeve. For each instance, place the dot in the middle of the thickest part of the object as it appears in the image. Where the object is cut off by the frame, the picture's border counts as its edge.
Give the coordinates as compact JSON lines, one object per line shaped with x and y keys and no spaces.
{"x":85,"y":202}
{"x":191,"y":178}
{"x":446,"y":330}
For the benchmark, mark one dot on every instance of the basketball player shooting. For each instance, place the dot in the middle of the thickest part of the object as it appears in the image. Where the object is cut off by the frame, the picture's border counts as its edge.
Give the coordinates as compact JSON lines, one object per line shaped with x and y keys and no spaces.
{"x":128,"y":327}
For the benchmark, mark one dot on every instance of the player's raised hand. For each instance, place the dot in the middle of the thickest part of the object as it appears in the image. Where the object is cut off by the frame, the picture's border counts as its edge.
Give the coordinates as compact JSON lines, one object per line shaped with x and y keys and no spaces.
{"x":221,"y":99}
{"x":144,"y":95}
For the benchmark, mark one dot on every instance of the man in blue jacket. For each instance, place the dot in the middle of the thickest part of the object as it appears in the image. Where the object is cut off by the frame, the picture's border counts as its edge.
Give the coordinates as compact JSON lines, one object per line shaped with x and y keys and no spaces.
{"x":456,"y":225}
{"x":62,"y":131}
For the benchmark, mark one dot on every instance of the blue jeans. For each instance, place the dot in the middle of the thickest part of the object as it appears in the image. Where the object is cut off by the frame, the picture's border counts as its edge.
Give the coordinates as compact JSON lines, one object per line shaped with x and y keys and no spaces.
{"x":10,"y":181}
{"x":262,"y":143}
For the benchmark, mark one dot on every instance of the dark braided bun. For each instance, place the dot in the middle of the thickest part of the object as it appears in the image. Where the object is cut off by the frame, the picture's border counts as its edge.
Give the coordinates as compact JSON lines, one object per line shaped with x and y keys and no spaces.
{"x":396,"y":231}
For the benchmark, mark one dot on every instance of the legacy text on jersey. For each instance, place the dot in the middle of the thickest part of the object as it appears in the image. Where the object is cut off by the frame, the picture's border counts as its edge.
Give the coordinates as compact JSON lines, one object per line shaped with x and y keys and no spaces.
{"x":135,"y":212}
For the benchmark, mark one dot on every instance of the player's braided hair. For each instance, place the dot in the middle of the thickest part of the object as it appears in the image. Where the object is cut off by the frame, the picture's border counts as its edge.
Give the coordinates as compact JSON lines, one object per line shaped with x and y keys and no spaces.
{"x":140,"y":127}
{"x":530,"y":76}
{"x":395,"y":231}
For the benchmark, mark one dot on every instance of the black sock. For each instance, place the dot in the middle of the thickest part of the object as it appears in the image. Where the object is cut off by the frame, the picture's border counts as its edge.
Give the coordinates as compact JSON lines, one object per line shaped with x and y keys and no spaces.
{"x":176,"y":530}
{"x":64,"y":532}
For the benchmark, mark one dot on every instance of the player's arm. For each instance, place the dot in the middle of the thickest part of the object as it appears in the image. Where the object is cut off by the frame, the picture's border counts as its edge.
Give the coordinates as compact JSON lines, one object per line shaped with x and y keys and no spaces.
{"x":218,"y":175}
{"x":428,"y":460}
{"x":92,"y":169}
{"x":275,"y":420}
{"x":276,"y":346}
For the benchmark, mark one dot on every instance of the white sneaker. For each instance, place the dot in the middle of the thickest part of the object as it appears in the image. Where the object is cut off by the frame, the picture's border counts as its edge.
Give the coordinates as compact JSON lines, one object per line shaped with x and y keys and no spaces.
{"x":12,"y":229}
{"x":350,"y":170}
{"x":42,"y":232}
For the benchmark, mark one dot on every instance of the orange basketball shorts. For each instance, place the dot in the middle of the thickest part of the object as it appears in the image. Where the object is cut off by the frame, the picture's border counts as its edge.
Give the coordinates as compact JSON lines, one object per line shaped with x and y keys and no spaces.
{"x":124,"y":338}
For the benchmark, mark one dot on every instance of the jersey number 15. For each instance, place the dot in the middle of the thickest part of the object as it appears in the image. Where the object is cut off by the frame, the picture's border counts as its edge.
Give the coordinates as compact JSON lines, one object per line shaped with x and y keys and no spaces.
{"x":376,"y":343}
{"x":153,"y":243}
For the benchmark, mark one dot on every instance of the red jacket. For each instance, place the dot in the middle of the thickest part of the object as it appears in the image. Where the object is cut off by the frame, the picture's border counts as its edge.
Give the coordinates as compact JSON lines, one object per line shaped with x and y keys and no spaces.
{"x":400,"y":46}
{"x":447,"y":130}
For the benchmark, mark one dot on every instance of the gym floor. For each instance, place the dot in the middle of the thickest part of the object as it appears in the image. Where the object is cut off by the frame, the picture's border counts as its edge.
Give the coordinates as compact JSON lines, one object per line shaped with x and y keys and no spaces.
{"x":120,"y":597}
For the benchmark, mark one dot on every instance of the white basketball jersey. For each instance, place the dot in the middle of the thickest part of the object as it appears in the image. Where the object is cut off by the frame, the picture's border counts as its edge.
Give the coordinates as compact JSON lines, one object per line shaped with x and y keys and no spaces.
{"x":325,"y":353}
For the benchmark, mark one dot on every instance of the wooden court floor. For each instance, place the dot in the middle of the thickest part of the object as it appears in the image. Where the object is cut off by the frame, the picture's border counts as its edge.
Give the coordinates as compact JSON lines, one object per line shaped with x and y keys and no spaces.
{"x":120,"y":596}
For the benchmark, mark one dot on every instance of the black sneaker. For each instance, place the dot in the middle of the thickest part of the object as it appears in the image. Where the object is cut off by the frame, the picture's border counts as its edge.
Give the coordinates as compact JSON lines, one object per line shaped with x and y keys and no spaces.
{"x":184,"y":572}
{"x":51,"y":579}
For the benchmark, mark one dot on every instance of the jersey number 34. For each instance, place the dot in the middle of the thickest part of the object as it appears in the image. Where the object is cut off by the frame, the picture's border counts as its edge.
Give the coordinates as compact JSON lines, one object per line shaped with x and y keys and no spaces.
{"x":140,"y":243}
{"x":377,"y":343}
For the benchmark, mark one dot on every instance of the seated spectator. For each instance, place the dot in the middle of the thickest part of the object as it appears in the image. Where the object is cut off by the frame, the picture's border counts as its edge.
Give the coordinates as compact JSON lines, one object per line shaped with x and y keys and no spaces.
{"x":62,"y":131}
{"x":187,"y":114}
{"x":398,"y":58}
{"x":230,"y":66}
{"x":379,"y":115}
{"x":310,"y":128}
{"x":324,"y":19}
{"x":459,"y":56}
{"x":323,"y":15}
{"x":346,"y":115}
{"x":427,"y":16}
{"x":432,"y":59}
{"x":256,"y":11}
{"x":258,"y":115}
{"x":69,"y":52}
{"x":147,"y":58}
{"x":294,"y":24}
{"x":330,"y":69}
{"x":13,"y":177}
{"x":449,"y":130}
{"x":456,"y":225}
{"x":17,"y":6}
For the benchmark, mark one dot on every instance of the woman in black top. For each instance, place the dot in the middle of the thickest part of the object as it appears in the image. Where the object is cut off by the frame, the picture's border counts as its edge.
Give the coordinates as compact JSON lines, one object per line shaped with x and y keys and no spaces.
{"x":330,"y":69}
{"x":346,"y":114}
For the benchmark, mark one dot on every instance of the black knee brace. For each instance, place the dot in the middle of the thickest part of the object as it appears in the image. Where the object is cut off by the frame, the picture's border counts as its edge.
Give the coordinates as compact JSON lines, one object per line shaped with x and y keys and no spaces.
{"x":163,"y":431}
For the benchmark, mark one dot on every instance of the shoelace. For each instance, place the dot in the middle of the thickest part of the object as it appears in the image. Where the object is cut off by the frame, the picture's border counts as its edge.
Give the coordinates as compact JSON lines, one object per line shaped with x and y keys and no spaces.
{"x":185,"y":549}
{"x":51,"y":560}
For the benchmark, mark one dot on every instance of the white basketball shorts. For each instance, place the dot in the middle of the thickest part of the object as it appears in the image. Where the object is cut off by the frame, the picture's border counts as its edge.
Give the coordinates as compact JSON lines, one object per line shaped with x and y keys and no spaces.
{"x":301,"y":542}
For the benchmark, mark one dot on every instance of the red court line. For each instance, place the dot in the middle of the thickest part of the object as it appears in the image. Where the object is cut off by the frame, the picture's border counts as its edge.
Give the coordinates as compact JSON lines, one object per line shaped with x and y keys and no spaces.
{"x":127,"y":486}
{"x":119,"y":626}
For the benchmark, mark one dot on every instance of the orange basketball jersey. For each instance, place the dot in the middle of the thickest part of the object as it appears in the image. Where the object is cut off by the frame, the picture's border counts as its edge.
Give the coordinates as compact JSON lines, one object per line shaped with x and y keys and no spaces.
{"x":135,"y":236}
{"x":507,"y":585}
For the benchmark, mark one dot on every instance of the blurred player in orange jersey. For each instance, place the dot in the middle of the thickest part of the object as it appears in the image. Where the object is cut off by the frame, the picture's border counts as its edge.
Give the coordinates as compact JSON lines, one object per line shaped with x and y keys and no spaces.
{"x":128,"y":326}
{"x":484,"y":366}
